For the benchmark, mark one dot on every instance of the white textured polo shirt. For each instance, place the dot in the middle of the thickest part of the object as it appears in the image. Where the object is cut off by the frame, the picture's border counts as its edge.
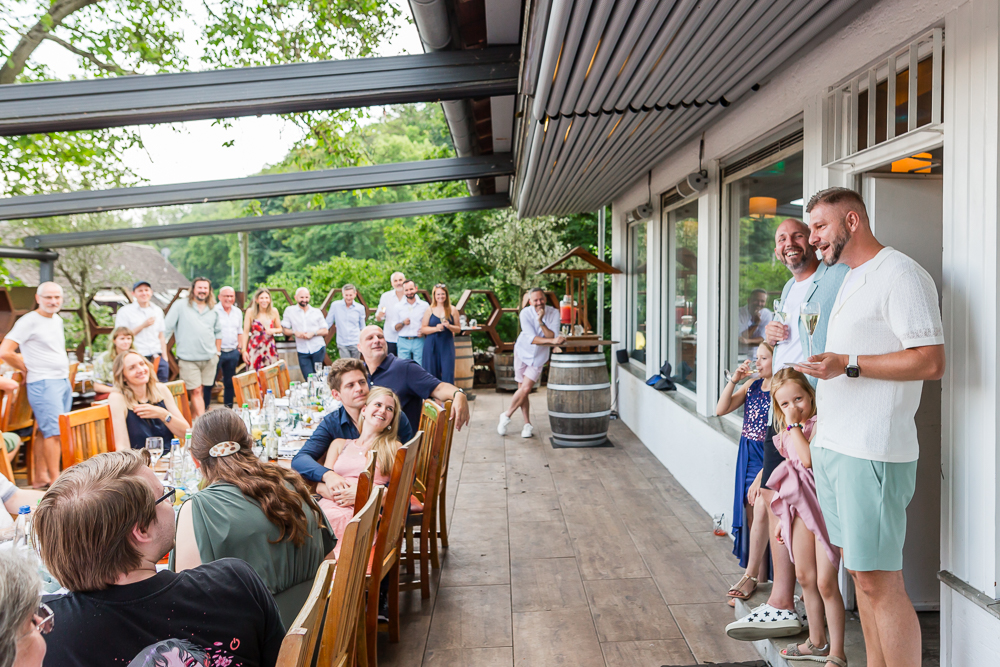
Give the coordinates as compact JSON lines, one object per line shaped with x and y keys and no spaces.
{"x":892,"y":307}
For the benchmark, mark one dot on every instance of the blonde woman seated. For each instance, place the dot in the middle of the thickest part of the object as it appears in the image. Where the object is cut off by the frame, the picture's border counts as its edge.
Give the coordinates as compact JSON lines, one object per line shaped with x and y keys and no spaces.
{"x":140,"y":406}
{"x":379,"y":427}
{"x":252,"y":510}
{"x":104,"y":379}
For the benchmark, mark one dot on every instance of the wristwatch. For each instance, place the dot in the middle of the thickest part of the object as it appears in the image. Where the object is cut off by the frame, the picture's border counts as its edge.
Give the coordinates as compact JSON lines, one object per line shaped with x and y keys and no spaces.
{"x":461,"y":391}
{"x":852,"y":370}
{"x":169,"y":417}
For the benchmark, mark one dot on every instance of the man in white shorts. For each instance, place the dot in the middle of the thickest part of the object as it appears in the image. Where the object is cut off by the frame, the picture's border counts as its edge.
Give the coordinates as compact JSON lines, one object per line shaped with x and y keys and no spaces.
{"x":539,"y":327}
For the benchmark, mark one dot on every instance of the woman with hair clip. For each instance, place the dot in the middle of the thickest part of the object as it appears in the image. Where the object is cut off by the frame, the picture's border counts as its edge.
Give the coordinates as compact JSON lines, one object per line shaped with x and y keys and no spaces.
{"x":252,"y":510}
{"x":378,"y":425}
{"x":141,"y":407}
{"x":439,"y":326}
{"x":261,"y":324}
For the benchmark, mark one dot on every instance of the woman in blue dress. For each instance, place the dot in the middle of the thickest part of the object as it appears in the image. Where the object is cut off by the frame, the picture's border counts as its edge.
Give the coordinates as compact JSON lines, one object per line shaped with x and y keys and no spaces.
{"x":439,"y":326}
{"x":749,"y":511}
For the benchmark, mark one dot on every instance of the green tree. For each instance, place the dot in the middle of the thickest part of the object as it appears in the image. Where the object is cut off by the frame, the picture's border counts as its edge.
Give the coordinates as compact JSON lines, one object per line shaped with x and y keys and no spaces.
{"x":518,"y":247}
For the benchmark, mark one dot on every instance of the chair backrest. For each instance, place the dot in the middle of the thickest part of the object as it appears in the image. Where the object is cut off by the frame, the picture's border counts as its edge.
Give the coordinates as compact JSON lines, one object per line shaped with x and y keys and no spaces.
{"x":433,"y":423}
{"x":245,"y":387}
{"x":347,"y":594}
{"x":5,"y":468}
{"x":179,"y":392}
{"x":72,"y":374}
{"x":299,"y":644}
{"x":85,"y":433}
{"x":17,"y":412}
{"x":284,"y":379}
{"x":445,"y":456}
{"x":365,"y":484}
{"x":397,"y":502}
{"x":267,"y":378}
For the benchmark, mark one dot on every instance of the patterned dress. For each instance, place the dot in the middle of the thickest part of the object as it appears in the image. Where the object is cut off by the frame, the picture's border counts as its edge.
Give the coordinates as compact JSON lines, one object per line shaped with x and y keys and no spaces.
{"x":261,"y":348}
{"x":749,"y":461}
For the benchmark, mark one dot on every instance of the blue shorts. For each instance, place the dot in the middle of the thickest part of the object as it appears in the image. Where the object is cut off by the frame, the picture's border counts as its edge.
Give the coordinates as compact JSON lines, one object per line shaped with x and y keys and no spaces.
{"x":48,"y":400}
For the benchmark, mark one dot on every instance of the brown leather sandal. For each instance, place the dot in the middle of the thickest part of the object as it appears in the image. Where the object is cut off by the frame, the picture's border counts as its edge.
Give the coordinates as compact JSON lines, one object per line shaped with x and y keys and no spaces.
{"x":737,"y":592}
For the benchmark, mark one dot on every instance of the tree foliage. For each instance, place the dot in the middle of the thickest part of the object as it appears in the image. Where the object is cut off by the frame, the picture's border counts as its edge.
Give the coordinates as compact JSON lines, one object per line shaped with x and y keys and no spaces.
{"x":517,"y":248}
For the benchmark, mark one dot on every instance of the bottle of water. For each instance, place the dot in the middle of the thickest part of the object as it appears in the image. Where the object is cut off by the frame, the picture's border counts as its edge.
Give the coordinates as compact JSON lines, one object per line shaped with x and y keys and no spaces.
{"x":272,"y":438}
{"x":22,"y":526}
{"x":176,"y":461}
{"x":245,"y":414}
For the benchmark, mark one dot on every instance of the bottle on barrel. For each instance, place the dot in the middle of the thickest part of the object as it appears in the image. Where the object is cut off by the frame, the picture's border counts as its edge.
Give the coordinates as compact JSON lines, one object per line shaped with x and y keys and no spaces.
{"x":566,"y":315}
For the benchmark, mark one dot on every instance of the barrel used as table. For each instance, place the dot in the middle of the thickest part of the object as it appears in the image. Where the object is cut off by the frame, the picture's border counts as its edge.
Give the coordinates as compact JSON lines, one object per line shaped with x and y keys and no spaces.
{"x":579,"y":395}
{"x":463,"y":362}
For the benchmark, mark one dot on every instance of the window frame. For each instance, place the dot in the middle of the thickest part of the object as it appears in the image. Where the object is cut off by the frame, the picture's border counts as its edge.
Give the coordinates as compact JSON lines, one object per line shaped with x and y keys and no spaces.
{"x":668,"y":249}
{"x":632,"y":289}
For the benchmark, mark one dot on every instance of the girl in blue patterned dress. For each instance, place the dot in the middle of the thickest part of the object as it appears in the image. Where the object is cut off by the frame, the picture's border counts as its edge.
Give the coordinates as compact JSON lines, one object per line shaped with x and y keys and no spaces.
{"x":750,"y":541}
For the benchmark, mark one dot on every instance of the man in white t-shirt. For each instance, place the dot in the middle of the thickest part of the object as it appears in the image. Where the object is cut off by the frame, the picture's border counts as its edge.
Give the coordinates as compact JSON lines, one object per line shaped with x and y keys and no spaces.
{"x":145,"y":320}
{"x":753,"y":317}
{"x":539,"y":334}
{"x":884,"y":339}
{"x":42,"y":357}
{"x":406,"y":317}
{"x":385,"y":310}
{"x":811,"y":281}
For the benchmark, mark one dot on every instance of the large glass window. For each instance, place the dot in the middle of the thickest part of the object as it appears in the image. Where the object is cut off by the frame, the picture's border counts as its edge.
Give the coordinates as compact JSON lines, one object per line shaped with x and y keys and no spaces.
{"x":637,"y":290}
{"x":759,"y":202}
{"x":681,"y":323}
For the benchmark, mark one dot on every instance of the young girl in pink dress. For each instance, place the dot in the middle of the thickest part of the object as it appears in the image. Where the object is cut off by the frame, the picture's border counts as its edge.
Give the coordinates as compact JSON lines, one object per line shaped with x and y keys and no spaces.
{"x":801,"y":527}
{"x":379,"y":426}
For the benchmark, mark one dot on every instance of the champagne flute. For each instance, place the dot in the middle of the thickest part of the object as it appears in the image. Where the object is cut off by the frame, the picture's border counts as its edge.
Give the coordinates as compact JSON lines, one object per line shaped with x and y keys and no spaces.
{"x":809,"y":313}
{"x":780,"y":315}
{"x":155,"y":448}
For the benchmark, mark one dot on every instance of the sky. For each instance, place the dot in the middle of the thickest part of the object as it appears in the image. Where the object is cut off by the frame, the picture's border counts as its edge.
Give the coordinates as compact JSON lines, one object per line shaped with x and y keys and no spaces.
{"x":194,"y":151}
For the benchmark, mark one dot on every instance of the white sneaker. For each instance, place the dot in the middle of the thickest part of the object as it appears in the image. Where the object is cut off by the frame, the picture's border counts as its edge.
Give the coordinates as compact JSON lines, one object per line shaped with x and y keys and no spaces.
{"x":527,"y":431}
{"x":765,"y":622}
{"x":502,"y":426}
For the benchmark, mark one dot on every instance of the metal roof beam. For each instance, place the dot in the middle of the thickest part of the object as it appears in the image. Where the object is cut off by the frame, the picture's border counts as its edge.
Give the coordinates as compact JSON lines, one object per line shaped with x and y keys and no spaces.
{"x":266,"y":222}
{"x":227,"y":93}
{"x":258,"y":187}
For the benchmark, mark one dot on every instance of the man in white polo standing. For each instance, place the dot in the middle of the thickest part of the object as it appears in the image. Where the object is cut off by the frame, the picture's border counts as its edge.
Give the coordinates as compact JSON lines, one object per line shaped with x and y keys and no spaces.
{"x":145,"y":320}
{"x":308,"y":326}
{"x":539,"y":334}
{"x":42,"y":340}
{"x":385,"y":310}
{"x":884,"y":339}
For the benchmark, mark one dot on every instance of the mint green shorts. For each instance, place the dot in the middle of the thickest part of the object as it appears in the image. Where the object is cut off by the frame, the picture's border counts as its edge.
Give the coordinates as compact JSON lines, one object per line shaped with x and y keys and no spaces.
{"x":864,"y":505}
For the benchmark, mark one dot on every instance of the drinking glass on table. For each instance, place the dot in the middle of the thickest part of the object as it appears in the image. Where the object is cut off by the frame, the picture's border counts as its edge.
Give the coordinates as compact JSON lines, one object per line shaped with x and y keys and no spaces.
{"x":810,"y":318}
{"x":318,"y":367}
{"x":155,"y":448}
{"x":254,"y":404}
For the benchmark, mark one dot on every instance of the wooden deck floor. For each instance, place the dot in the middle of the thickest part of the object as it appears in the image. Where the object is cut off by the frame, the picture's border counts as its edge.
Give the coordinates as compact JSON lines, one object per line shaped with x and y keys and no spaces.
{"x":568,"y":557}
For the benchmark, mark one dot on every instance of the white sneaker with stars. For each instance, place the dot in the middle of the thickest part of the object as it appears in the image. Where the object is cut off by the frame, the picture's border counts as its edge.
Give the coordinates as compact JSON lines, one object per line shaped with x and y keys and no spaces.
{"x":765,"y":622}
{"x":502,"y":426}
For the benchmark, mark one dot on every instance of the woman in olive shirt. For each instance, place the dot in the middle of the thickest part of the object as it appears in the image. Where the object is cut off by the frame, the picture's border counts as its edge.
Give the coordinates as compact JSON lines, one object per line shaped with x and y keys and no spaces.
{"x":253,"y":510}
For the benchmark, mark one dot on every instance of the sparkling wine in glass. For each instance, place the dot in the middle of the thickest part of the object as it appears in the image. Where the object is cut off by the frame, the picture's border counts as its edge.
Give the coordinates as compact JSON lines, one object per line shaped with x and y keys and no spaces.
{"x":752,"y":368}
{"x":810,"y":318}
{"x":155,"y":448}
{"x":780,"y":316}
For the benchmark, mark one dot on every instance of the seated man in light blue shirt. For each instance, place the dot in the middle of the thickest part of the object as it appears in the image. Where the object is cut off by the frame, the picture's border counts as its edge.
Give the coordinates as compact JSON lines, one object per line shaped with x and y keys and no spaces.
{"x":346,"y":318}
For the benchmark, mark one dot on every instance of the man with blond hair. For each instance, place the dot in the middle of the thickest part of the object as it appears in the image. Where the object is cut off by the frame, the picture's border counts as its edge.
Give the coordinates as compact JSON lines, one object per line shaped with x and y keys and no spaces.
{"x":101,"y":529}
{"x":42,"y":341}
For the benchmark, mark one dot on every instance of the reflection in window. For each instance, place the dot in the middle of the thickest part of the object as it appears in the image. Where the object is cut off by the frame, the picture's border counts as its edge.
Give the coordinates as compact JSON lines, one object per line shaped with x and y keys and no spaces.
{"x":759,"y":203}
{"x":637,"y":291}
{"x":682,"y":326}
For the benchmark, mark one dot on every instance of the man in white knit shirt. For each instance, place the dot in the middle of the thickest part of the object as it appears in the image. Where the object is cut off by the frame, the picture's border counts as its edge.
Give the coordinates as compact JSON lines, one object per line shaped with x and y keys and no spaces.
{"x":884,"y":339}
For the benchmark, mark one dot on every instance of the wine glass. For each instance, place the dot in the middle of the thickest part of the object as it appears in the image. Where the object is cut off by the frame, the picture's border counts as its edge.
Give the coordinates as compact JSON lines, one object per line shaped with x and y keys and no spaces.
{"x":752,"y":367}
{"x":780,"y":316}
{"x":809,"y":313}
{"x":254,"y":404}
{"x":155,"y":448}
{"x":318,"y":367}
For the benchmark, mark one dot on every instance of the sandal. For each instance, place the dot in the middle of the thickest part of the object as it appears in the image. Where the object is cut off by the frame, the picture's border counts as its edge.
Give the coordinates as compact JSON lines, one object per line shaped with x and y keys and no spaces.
{"x":737,"y":592}
{"x":839,"y":662}
{"x":816,"y":653}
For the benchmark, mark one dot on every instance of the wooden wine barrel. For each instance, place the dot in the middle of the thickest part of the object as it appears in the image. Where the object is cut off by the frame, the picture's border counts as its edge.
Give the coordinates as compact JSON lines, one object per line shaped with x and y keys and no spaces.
{"x":463,"y":362}
{"x":503,"y":365}
{"x":579,"y":393}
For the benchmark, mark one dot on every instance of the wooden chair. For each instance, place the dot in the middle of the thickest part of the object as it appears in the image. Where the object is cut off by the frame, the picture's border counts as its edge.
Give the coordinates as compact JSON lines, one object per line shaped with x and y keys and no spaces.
{"x":284,"y":378}
{"x":85,"y":433}
{"x":17,"y":416}
{"x":366,"y":482}
{"x":433,"y":422}
{"x":245,"y":387}
{"x":5,"y":468}
{"x":334,"y":598}
{"x":179,"y":392}
{"x":269,"y":378}
{"x":385,"y":556}
{"x":440,"y":519}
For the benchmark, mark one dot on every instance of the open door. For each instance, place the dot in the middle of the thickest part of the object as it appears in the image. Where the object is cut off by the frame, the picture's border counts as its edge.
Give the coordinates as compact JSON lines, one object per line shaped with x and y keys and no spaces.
{"x":906,"y":211}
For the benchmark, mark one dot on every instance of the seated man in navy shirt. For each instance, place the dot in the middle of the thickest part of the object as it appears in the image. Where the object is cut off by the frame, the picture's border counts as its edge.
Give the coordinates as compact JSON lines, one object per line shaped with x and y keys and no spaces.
{"x":349,"y":385}
{"x":410,"y":382}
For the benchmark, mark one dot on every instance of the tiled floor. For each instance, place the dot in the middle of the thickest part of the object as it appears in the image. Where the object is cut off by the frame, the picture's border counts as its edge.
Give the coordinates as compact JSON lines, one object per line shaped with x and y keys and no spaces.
{"x":568,"y":557}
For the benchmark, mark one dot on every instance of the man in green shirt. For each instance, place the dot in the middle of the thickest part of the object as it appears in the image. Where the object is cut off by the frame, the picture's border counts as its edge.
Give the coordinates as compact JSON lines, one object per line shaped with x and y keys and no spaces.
{"x":197,"y":332}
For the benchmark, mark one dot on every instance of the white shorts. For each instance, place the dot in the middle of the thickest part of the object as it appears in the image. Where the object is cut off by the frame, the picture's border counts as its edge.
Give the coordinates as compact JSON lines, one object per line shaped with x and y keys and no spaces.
{"x":522,"y":370}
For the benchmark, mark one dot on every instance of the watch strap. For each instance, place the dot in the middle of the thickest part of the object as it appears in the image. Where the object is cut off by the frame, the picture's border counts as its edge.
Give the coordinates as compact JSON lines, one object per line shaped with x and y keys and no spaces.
{"x":852,"y":361}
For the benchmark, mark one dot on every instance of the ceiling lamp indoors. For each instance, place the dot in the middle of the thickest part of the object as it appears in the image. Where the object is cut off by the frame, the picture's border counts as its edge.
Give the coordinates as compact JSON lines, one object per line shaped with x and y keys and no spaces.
{"x":763,"y":207}
{"x":627,"y":82}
